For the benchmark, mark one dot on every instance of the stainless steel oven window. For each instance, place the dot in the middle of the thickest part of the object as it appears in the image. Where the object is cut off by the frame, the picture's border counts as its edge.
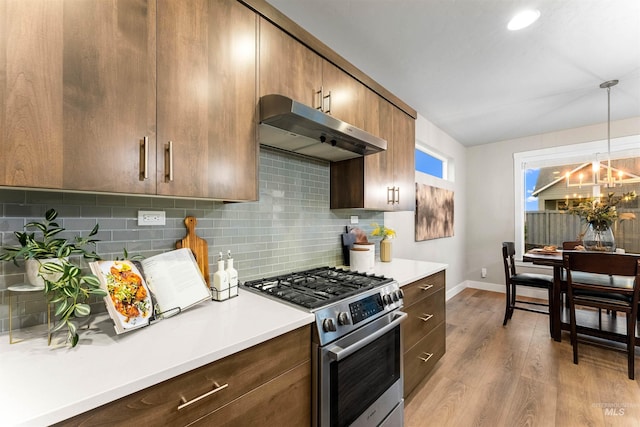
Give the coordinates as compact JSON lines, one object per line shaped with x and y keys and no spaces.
{"x":361,"y":378}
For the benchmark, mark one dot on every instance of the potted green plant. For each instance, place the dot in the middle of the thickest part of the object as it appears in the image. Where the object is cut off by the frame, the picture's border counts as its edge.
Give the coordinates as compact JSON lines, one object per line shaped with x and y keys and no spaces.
{"x":64,"y":283}
{"x":599,"y":214}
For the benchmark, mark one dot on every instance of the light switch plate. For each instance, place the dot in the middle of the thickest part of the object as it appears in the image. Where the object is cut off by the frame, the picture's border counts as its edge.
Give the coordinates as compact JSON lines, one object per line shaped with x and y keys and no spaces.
{"x":151,"y":218}
{"x":354,"y":219}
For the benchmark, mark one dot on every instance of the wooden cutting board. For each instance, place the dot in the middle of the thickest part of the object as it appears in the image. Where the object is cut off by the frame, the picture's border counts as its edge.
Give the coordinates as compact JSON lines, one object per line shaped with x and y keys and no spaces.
{"x":197,"y":245}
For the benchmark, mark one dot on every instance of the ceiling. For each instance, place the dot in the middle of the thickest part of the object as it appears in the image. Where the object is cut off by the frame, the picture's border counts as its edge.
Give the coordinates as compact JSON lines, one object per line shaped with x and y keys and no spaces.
{"x":455,"y":62}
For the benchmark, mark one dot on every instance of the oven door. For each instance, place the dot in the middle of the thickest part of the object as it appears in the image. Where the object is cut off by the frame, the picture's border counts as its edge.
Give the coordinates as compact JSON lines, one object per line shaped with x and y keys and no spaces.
{"x":359,"y":376}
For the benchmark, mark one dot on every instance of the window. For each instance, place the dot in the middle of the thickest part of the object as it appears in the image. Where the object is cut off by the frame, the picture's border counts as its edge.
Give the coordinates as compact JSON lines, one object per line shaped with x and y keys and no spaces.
{"x":430,"y":163}
{"x":550,"y":181}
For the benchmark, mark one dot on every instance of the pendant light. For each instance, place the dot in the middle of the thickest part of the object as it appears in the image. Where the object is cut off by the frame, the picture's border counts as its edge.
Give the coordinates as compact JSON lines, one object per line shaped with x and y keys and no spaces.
{"x":611,"y":180}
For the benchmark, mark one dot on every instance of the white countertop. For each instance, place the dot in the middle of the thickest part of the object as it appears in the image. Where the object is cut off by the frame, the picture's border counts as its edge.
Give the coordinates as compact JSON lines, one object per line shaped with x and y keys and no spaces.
{"x":41,"y":385}
{"x":406,"y":271}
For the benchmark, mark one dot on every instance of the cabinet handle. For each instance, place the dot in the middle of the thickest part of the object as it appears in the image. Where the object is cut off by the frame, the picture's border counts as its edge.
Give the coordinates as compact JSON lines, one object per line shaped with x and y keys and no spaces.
{"x":328,"y":98}
{"x":426,"y":288}
{"x":396,"y":192}
{"x":144,"y":161}
{"x":425,"y":317}
{"x":169,"y":165}
{"x":390,"y":195}
{"x":186,"y":403}
{"x":426,"y":359}
{"x":319,"y":99}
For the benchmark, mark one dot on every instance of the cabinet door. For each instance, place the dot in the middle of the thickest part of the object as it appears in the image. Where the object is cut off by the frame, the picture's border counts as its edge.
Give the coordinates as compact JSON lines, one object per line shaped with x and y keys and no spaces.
{"x":109,"y":95}
{"x":78,"y":94}
{"x":207,"y":144}
{"x":379,"y":167}
{"x":344,"y":95}
{"x":404,"y":175}
{"x":283,"y":401}
{"x":31,"y":93}
{"x":287,"y":67}
{"x":363,"y":182}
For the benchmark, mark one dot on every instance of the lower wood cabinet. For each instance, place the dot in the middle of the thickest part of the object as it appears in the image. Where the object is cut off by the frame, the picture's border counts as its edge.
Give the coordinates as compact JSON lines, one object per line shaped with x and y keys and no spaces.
{"x":424,"y":331}
{"x":267,"y":384}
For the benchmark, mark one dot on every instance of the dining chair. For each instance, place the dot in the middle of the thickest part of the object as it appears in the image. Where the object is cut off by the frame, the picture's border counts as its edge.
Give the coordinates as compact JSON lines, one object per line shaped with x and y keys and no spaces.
{"x":513,"y":279}
{"x":612,"y":281}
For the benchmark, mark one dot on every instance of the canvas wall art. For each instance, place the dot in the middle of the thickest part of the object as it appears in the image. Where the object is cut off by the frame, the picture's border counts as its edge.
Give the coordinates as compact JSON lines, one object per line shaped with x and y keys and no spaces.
{"x":434,"y":212}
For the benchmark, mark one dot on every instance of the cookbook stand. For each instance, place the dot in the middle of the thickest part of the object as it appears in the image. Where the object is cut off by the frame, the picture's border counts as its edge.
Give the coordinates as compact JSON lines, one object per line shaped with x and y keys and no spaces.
{"x":160,"y":315}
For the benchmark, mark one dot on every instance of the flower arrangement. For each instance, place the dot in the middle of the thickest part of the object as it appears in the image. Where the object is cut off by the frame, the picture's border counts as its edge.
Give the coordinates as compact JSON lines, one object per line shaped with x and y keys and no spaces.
{"x":601,"y":213}
{"x":381,"y":230}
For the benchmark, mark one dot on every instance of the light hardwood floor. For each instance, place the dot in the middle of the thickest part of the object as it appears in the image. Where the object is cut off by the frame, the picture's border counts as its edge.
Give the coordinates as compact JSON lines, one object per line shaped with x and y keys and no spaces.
{"x":517,"y":375}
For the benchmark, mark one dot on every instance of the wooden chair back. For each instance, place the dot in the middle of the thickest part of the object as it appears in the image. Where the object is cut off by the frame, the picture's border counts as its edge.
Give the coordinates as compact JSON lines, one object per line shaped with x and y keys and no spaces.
{"x":508,"y":252}
{"x":603,"y":263}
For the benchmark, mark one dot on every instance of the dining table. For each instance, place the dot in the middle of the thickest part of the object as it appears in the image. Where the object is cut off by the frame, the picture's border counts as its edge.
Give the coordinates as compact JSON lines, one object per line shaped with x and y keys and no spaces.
{"x":554,"y":259}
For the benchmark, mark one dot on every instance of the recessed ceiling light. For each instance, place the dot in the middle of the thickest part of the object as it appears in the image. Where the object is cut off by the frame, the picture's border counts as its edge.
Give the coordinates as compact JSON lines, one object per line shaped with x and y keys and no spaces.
{"x":523,"y":19}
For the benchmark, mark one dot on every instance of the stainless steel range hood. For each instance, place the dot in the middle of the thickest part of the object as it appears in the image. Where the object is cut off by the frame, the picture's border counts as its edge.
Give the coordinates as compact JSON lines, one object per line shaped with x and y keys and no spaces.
{"x":295,"y":127}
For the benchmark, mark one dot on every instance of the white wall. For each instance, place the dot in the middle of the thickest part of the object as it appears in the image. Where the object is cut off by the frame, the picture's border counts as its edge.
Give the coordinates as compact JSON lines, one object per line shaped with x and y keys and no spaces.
{"x":490,"y":192}
{"x":447,"y":250}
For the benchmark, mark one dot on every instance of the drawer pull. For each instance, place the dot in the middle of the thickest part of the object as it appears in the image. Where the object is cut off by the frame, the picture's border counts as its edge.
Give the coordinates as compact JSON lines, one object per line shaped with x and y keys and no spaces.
{"x":426,"y":359}
{"x":425,"y":317}
{"x":217,"y":388}
{"x":426,"y":288}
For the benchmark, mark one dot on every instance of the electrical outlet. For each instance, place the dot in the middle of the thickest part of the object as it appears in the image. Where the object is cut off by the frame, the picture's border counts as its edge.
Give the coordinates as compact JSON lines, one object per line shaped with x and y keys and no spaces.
{"x":151,"y":218}
{"x":354,"y":219}
{"x":483,"y":272}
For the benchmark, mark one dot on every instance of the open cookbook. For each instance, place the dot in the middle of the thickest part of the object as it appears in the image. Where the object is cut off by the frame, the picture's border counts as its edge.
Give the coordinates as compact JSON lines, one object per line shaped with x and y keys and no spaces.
{"x":139,"y":292}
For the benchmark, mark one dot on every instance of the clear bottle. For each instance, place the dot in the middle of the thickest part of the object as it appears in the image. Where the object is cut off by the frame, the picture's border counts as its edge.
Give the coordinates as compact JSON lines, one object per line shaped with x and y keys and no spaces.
{"x":220,"y":289}
{"x":232,"y":275}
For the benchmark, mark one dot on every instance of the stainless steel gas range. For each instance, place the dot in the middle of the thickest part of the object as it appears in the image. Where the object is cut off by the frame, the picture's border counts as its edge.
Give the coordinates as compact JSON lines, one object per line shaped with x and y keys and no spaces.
{"x":357,"y":348}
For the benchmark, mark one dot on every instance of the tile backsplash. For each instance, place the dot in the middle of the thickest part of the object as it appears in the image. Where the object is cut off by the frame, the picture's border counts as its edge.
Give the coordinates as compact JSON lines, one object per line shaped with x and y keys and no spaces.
{"x":290,"y":228}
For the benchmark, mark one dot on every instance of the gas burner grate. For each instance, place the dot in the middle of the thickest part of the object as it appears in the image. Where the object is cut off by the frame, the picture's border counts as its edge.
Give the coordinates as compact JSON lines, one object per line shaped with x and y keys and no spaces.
{"x":317,"y":287}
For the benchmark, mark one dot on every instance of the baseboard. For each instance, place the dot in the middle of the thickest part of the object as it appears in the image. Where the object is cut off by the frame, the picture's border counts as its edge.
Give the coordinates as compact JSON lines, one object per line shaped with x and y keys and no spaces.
{"x":456,"y":290}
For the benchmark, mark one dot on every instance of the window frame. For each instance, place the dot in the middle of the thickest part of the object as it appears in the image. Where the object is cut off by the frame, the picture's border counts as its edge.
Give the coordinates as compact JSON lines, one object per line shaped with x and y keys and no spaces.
{"x":447,"y":173}
{"x":626,"y":146}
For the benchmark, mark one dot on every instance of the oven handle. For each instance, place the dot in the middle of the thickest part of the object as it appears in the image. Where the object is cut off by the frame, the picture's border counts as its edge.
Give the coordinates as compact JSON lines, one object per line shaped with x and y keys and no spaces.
{"x":337,"y":353}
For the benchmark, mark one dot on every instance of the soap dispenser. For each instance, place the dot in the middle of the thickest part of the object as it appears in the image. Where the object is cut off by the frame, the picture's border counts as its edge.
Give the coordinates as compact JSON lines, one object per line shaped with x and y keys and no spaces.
{"x":232,"y":275}
{"x":220,"y":281}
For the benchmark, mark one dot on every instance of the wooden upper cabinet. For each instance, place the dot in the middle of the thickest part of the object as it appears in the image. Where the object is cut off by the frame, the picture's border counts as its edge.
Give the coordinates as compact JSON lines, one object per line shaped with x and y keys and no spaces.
{"x":31,"y":98}
{"x":109,"y":95}
{"x":404,"y":164}
{"x":287,"y":67}
{"x":344,"y":96}
{"x":78,"y":97}
{"x":384,"y":181}
{"x":75,"y":105}
{"x":206,"y":107}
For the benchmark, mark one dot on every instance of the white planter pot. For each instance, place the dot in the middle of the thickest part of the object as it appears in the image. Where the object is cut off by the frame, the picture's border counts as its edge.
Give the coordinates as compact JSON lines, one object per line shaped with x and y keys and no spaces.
{"x":35,"y":276}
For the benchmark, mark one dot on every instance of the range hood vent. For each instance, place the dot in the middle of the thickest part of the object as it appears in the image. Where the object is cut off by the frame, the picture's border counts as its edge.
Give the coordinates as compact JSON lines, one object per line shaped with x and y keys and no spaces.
{"x":295,"y":127}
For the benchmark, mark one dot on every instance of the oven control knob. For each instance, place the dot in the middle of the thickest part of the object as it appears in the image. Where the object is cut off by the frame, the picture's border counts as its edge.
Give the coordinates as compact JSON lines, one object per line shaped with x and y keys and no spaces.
{"x":400,"y":293}
{"x":343,"y":318}
{"x":387,"y":299}
{"x":395,"y":297}
{"x":328,"y":325}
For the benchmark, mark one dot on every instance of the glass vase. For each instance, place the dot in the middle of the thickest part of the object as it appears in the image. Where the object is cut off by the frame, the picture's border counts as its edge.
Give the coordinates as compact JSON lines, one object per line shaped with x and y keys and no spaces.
{"x":599,"y":238}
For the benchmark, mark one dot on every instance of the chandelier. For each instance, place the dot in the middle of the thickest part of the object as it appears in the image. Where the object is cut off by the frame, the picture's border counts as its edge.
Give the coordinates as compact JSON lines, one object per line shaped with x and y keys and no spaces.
{"x":613,"y":176}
